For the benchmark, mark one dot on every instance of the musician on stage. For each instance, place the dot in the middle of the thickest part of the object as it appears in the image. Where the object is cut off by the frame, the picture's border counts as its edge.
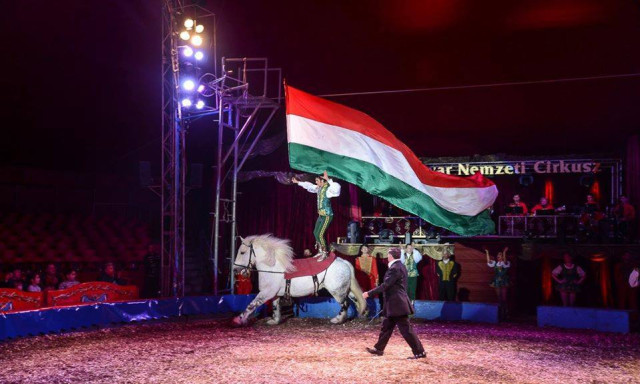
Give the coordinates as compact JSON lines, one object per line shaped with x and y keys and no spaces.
{"x":625,"y":215}
{"x":517,"y":203}
{"x":325,"y":188}
{"x":591,"y":206}
{"x":542,"y":205}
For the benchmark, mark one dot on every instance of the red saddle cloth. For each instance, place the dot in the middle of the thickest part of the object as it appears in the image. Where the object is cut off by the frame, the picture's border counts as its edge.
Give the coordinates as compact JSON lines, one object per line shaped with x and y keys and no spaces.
{"x":310,"y":266}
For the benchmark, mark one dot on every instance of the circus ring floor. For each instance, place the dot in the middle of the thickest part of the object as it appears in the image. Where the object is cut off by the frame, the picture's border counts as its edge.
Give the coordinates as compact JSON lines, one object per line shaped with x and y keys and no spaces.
{"x":208,"y":350}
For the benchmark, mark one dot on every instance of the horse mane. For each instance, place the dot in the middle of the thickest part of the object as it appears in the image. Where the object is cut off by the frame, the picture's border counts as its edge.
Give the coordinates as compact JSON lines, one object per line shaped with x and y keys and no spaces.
{"x":276,"y":250}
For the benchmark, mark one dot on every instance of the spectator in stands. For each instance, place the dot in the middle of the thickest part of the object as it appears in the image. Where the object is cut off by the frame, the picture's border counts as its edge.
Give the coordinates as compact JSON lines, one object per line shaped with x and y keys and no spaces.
{"x":152,"y":261}
{"x":34,"y":283}
{"x":307,"y":253}
{"x":6,"y":282}
{"x":569,"y":278}
{"x":70,"y":279}
{"x":51,"y":279}
{"x":109,"y":275}
{"x":448,"y":272}
{"x":17,"y":279}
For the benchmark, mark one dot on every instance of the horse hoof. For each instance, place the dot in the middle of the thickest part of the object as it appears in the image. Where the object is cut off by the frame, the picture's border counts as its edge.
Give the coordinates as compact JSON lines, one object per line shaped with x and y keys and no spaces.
{"x":273,"y":322}
{"x":237,"y":322}
{"x":335,"y":320}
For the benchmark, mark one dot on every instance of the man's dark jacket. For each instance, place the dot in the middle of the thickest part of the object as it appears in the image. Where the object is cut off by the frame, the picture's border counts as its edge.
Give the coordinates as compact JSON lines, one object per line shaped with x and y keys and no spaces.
{"x":394,"y":286}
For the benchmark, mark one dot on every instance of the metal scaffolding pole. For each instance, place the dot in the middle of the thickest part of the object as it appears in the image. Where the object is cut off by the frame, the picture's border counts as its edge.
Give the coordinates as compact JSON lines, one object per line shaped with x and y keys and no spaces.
{"x":240,"y":113}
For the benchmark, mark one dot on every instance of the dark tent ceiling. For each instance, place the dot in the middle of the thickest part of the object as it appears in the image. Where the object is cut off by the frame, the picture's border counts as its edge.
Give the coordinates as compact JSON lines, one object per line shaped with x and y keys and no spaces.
{"x":81,"y":79}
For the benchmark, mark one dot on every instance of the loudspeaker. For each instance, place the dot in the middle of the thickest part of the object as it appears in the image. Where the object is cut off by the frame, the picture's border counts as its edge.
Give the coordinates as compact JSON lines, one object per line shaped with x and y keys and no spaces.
{"x":144,"y":173}
{"x":587,"y":180}
{"x":353,"y":232}
{"x":525,"y":180}
{"x":195,"y":175}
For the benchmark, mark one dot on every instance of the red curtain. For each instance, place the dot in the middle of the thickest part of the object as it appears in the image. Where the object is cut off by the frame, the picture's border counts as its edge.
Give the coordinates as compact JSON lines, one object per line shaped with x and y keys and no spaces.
{"x":632,"y":171}
{"x":287,"y":211}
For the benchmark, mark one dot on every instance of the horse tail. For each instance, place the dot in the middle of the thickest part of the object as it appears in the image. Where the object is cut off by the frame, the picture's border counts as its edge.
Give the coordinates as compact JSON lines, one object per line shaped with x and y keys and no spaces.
{"x":361,"y":303}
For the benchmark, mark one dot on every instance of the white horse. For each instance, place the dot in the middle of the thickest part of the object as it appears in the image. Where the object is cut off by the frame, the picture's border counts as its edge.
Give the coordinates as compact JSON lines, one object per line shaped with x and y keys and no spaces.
{"x":272,"y":257}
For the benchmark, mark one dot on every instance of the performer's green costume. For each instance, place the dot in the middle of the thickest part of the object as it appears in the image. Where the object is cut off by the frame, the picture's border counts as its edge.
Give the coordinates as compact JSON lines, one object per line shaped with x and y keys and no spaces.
{"x":325,"y":216}
{"x":325,"y":212}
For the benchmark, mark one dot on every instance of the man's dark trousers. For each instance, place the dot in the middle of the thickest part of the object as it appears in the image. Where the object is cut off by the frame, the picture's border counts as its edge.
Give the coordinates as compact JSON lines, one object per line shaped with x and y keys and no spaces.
{"x":406,"y":330}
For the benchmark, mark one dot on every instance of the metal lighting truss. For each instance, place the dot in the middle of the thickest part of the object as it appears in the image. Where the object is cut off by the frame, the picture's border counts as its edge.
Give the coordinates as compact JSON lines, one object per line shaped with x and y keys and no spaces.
{"x":174,"y":124}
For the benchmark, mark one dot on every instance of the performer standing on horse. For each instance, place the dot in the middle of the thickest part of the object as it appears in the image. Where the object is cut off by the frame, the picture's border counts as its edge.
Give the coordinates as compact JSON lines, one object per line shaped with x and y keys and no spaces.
{"x":325,"y":188}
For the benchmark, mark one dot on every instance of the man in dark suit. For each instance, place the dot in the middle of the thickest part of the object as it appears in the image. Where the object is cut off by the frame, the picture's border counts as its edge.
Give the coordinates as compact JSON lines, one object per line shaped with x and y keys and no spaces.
{"x":397,"y":307}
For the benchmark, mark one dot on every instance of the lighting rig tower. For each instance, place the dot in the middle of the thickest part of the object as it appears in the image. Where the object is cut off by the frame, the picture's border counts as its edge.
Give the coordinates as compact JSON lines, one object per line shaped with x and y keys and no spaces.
{"x":182,"y":42}
{"x":240,"y":101}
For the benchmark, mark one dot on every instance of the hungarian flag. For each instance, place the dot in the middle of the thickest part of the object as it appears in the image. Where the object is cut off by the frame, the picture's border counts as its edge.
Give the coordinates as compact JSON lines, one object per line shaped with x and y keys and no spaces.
{"x":354,"y":147}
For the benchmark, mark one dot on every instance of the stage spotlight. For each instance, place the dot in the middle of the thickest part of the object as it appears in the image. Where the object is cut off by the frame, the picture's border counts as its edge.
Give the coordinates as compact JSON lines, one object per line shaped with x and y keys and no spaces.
{"x":188,"y":85}
{"x":189,"y":24}
{"x":200,"y":104}
{"x":200,"y":88}
{"x":199,"y":28}
{"x":186,"y":103}
{"x":188,"y":52}
{"x":184,"y":35}
{"x":199,"y":55}
{"x":196,"y":41}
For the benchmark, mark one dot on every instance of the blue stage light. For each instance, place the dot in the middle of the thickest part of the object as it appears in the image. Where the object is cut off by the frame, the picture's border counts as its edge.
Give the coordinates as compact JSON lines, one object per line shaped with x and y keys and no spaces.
{"x":201,"y":88}
{"x":186,"y":103}
{"x":200,"y":104}
{"x":188,"y":52}
{"x":188,"y":85}
{"x":199,"y":55}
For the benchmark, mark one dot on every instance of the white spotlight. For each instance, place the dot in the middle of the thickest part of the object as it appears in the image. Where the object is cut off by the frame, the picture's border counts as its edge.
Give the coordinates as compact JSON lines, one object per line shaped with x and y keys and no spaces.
{"x":201,"y":88}
{"x":200,"y":104}
{"x":188,"y":85}
{"x":199,"y":55}
{"x":196,"y":41}
{"x":188,"y":52}
{"x":188,"y":23}
{"x":199,"y":28}
{"x":184,"y":35}
{"x":186,"y":103}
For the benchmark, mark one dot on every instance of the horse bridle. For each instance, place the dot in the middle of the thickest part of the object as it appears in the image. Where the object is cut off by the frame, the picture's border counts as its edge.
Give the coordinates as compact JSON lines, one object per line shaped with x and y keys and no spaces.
{"x":250,"y":264}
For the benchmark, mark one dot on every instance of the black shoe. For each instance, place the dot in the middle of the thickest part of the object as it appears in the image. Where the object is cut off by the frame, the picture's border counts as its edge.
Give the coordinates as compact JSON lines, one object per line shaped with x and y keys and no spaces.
{"x":421,"y":355}
{"x":374,"y":351}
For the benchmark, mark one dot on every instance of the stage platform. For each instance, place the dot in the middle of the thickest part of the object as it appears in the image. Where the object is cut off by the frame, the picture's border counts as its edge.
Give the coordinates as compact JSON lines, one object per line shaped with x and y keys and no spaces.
{"x":604,"y":320}
{"x":327,"y":307}
{"x":67,"y":318}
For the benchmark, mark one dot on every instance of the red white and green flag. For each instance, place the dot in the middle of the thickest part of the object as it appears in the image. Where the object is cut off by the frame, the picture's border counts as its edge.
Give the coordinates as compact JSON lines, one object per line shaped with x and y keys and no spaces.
{"x":354,"y":147}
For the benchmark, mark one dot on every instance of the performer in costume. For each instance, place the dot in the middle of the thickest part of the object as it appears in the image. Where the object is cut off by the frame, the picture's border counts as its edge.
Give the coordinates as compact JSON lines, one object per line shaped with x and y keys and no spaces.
{"x":397,"y":307}
{"x":634,"y":277}
{"x":448,"y":272}
{"x":410,"y":258}
{"x":569,"y":277}
{"x":500,"y":279}
{"x":368,"y":264}
{"x":325,"y":188}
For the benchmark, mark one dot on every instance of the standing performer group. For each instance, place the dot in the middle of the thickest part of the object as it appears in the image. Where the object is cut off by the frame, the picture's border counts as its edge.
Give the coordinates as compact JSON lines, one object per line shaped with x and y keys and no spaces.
{"x":325,"y":188}
{"x":410,"y":258}
{"x":397,"y":307}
